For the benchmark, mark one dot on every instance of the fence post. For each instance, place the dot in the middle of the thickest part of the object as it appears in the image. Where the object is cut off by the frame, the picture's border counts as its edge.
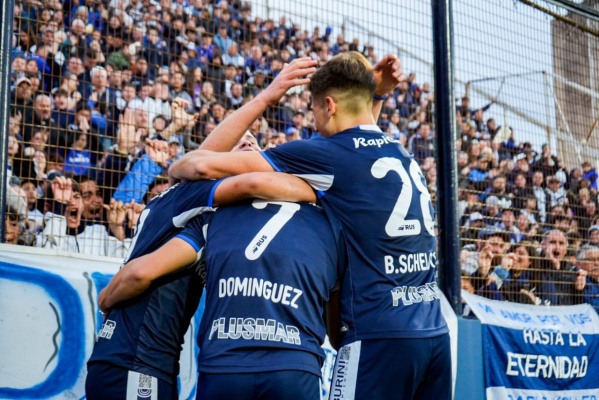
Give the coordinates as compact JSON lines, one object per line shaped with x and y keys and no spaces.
{"x":6,"y":15}
{"x":447,"y":201}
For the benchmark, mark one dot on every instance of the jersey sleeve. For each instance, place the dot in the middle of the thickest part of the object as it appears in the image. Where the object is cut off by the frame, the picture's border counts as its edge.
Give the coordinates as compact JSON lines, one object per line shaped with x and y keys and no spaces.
{"x":193,"y":233}
{"x":196,"y":197}
{"x":307,"y":159}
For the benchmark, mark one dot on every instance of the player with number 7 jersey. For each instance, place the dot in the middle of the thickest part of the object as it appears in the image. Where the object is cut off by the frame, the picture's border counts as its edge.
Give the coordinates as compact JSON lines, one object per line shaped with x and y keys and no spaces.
{"x":147,"y":313}
{"x":268,"y":279}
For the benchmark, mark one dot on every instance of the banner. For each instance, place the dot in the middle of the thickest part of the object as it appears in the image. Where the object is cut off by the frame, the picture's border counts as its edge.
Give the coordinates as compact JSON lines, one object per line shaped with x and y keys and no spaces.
{"x":538,"y":352}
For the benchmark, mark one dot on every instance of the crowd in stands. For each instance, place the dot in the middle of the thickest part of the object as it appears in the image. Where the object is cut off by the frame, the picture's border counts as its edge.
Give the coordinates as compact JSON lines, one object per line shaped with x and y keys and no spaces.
{"x":92,"y":80}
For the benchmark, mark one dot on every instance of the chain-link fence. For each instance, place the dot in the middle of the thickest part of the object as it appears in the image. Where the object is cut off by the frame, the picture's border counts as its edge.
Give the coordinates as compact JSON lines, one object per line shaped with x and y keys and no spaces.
{"x":92,"y":80}
{"x":527,"y":166}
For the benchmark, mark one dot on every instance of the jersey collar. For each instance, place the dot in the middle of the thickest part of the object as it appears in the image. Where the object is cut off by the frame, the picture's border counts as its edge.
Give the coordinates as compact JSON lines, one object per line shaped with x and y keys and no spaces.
{"x":368,"y":128}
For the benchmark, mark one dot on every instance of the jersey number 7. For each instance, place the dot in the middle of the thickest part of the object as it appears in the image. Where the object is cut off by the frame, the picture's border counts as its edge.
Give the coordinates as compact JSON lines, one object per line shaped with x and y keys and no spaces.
{"x":263,"y":238}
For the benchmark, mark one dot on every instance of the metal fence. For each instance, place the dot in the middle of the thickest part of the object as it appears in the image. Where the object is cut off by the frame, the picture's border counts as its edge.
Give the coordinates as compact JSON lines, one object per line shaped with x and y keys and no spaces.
{"x":526,"y":114}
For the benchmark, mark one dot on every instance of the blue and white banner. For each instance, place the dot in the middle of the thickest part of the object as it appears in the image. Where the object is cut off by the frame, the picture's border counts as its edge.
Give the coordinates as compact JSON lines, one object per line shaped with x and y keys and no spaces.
{"x":538,"y":352}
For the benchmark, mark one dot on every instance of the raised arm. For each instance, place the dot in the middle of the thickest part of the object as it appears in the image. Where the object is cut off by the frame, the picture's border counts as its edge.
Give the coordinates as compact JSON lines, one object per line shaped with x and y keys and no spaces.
{"x":137,"y":275}
{"x":264,"y":185}
{"x":228,"y":132}
{"x":205,"y":164}
{"x":387,"y":74}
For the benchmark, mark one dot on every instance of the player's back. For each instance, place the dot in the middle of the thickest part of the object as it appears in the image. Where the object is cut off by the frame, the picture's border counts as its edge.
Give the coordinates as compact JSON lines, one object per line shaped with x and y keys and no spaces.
{"x":270,"y":267}
{"x":377,"y":192}
{"x":145,"y":334}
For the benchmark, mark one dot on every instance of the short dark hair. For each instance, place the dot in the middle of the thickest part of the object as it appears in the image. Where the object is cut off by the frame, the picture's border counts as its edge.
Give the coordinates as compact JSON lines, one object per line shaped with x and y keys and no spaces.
{"x":345,"y":74}
{"x":82,"y":106}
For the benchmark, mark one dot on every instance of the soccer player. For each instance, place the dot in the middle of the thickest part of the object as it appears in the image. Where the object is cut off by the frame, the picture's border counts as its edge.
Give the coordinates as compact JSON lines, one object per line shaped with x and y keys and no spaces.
{"x":268,"y":276}
{"x":138,"y":347}
{"x":395,"y":339}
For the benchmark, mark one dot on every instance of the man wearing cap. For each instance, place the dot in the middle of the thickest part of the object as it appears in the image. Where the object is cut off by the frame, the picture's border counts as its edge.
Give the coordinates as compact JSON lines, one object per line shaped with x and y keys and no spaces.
{"x":473,"y":225}
{"x":299,"y":127}
{"x":492,"y":242}
{"x":222,"y":41}
{"x":556,"y":192}
{"x":255,"y":84}
{"x":594,"y":236}
{"x":20,"y":96}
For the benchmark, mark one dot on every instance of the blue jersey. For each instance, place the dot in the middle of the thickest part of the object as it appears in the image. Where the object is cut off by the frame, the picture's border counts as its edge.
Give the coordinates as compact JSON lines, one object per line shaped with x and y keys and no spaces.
{"x":376,"y":191}
{"x":146,"y":333}
{"x":270,"y":267}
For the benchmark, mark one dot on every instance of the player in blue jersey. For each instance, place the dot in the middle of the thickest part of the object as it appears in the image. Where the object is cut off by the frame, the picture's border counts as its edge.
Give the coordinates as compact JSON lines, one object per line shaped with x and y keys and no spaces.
{"x":268,"y":280}
{"x":268,"y":277}
{"x":395,"y":339}
{"x":138,"y":347}
{"x":139,"y":344}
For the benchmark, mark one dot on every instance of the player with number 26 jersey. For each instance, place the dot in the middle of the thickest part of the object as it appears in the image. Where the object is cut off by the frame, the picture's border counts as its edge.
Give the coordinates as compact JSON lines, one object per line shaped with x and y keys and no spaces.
{"x":381,"y":201}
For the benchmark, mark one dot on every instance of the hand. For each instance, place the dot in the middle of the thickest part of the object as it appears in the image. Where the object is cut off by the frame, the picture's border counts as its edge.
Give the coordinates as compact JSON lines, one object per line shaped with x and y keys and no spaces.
{"x":126,"y":135}
{"x":179,"y":117}
{"x":115,"y":212}
{"x":387,"y":74}
{"x":94,"y":96}
{"x":485,"y":258}
{"x":581,"y":280}
{"x":83,"y":124}
{"x":293,"y":74}
{"x":530,"y":295}
{"x":62,"y":189}
{"x":157,"y":150}
{"x":133,"y":212}
{"x":508,"y":261}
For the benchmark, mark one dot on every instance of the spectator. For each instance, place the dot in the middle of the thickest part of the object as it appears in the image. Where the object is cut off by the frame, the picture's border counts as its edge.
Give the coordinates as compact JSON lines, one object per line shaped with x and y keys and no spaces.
{"x":590,"y":174}
{"x":553,"y":275}
{"x":508,"y":224}
{"x":62,"y":222}
{"x":222,"y":41}
{"x":177,"y":82}
{"x":479,"y":174}
{"x":255,"y":84}
{"x":492,"y":245}
{"x":232,"y":56}
{"x":555,"y":191}
{"x":498,"y":189}
{"x":517,"y":285}
{"x":588,"y":261}
{"x":547,"y":162}
{"x":423,"y":144}
{"x":20,"y":96}
{"x":465,"y":110}
{"x":40,"y":118}
{"x":543,"y":199}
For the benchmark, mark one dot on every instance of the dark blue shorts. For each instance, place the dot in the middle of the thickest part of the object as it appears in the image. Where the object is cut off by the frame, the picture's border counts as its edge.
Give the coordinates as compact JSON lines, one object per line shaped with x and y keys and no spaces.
{"x":393,"y":369}
{"x":275,"y":385}
{"x":105,"y":381}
